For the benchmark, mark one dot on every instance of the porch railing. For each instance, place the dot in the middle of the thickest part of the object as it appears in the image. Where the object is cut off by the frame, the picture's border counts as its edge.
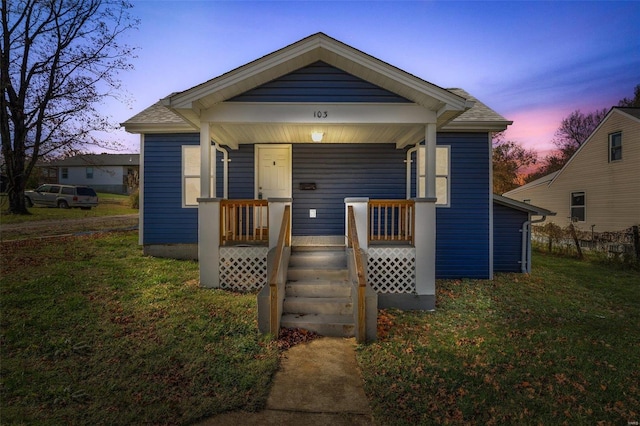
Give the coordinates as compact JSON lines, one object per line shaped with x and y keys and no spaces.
{"x":352,"y":237}
{"x":392,"y":221}
{"x":283,"y":241}
{"x":244,"y":221}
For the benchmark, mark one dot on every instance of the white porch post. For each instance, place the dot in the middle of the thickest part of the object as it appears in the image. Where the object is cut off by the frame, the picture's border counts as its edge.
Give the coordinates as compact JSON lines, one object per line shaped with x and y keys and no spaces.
{"x":430,"y":142}
{"x":360,"y":210}
{"x":209,"y":241}
{"x":207,"y":163}
{"x":425,"y":242}
{"x":276,"y":210}
{"x":208,"y":215}
{"x":425,"y":216}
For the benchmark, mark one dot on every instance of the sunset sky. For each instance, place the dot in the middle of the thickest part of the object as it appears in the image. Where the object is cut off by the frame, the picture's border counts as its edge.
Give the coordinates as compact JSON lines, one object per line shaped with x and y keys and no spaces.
{"x":533,"y":62}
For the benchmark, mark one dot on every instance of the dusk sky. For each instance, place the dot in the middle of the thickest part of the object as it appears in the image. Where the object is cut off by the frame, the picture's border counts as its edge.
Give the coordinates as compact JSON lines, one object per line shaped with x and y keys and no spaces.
{"x":533,"y":62}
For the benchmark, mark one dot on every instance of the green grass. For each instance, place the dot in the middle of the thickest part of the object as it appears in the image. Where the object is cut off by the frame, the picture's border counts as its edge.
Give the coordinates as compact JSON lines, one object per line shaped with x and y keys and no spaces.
{"x":559,"y":346}
{"x":109,"y":205}
{"x":93,"y":332}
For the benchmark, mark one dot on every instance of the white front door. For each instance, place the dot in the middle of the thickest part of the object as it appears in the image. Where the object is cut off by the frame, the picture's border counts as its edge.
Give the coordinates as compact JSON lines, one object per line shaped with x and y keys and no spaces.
{"x":273,"y":171}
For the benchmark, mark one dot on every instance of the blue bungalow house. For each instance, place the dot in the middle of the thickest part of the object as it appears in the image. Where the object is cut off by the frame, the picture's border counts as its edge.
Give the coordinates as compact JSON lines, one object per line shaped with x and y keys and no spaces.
{"x":320,"y":144}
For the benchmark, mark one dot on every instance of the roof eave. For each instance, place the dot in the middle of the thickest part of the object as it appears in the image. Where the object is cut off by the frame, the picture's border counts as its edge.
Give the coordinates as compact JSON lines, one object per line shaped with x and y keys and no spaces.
{"x":529,"y":208}
{"x":469,"y":126}
{"x":157,"y":127}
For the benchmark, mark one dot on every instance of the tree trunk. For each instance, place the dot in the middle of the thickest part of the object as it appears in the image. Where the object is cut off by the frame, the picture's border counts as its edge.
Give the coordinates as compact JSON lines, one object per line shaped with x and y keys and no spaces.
{"x":574,"y":235}
{"x":636,"y":239}
{"x":17,"y":182}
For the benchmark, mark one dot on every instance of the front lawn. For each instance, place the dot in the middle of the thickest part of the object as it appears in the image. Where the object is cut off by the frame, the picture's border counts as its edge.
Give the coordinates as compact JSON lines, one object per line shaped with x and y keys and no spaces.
{"x":93,"y":332}
{"x":108,"y":205}
{"x":561,"y":346}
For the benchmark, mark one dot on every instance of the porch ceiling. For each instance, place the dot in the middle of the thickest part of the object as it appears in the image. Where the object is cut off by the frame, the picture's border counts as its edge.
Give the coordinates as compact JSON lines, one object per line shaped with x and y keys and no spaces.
{"x":236,"y":134}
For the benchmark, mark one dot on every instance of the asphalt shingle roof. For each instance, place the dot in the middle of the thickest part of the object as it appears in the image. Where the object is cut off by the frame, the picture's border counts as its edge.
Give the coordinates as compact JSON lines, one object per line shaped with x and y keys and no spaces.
{"x":98,"y":160}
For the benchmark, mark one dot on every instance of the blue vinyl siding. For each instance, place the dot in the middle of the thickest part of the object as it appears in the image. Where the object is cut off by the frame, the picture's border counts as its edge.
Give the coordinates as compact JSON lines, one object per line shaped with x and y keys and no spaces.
{"x":165,"y":220}
{"x":507,"y":238}
{"x":462,"y":230}
{"x":241,"y":173}
{"x":319,"y":82}
{"x":339,"y":171}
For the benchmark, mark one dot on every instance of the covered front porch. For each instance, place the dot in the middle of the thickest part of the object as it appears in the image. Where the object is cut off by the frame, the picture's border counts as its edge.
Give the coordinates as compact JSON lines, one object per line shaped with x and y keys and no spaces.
{"x":245,"y":245}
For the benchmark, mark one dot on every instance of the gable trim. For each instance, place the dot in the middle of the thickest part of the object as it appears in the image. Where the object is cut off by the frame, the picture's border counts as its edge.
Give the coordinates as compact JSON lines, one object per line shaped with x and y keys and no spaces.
{"x":305,"y":52}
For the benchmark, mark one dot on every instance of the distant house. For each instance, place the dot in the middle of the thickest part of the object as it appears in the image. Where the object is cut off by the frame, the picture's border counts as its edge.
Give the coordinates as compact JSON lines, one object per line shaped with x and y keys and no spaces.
{"x":599,"y":187}
{"x":113,"y":173}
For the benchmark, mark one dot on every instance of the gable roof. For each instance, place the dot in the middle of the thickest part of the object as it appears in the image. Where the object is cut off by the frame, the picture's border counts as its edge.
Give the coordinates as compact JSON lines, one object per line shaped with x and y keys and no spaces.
{"x":631,"y":113}
{"x":320,"y":47}
{"x":455,"y":108}
{"x":98,"y":160}
{"x":627,"y":112}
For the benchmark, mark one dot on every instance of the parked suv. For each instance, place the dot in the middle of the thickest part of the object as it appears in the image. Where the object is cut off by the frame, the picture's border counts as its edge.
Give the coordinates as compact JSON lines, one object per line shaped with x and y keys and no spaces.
{"x":62,"y":196}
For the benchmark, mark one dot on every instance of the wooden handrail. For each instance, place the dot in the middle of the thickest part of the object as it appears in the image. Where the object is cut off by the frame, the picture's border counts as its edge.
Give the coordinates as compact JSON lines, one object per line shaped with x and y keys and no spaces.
{"x":392,"y":220}
{"x":354,"y":243}
{"x":244,"y":221}
{"x":283,"y":241}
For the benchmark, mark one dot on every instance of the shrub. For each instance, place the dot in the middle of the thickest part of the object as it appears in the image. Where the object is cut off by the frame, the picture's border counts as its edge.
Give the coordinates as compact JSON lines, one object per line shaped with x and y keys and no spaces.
{"x":134,"y":199}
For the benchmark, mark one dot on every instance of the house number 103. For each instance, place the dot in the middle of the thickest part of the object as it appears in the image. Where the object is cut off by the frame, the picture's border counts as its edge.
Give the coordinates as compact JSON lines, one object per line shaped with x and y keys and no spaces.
{"x":320,"y":114}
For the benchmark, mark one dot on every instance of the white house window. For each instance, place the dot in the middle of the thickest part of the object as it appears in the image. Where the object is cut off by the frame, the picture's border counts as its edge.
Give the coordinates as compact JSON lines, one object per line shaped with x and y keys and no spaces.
{"x":191,"y":174}
{"x":89,"y":172}
{"x":442,"y":174}
{"x":65,"y":173}
{"x":578,"y":206}
{"x":615,"y":146}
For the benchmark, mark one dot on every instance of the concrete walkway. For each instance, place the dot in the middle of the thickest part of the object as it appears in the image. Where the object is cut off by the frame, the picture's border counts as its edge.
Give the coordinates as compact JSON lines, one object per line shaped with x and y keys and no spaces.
{"x":319,"y":383}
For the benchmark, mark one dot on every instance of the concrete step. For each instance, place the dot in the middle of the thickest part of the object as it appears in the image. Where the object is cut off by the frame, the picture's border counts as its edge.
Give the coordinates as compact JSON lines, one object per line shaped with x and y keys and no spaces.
{"x":313,"y":248}
{"x":318,"y":305}
{"x":303,"y":273}
{"x":319,"y":259}
{"x":318,"y":288}
{"x":325,"y":325}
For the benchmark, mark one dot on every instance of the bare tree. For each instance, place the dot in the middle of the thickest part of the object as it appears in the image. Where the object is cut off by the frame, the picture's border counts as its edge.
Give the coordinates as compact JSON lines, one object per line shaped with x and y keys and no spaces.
{"x":510,"y":162}
{"x":575,"y":129}
{"x":631,"y":102}
{"x":59,"y":59}
{"x":572,"y":133}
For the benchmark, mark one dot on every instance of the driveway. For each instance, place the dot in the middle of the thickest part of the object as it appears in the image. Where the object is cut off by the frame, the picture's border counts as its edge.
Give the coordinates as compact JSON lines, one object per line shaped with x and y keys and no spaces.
{"x":50,"y":228}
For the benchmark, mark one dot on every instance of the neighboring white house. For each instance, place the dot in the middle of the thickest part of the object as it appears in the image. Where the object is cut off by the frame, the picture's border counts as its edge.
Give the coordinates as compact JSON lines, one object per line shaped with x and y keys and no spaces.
{"x":114,"y":173}
{"x":599,"y":187}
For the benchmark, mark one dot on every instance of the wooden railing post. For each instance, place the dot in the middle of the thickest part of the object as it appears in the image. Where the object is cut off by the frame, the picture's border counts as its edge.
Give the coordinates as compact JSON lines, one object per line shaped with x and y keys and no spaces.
{"x":283,"y":241}
{"x":354,"y":243}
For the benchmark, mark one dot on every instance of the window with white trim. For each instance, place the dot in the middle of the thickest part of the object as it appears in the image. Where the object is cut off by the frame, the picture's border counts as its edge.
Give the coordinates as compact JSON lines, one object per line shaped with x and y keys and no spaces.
{"x":578,"y":206}
{"x":615,"y":146}
{"x":89,"y":172}
{"x":191,"y":174}
{"x":442,"y":174}
{"x":65,"y":173}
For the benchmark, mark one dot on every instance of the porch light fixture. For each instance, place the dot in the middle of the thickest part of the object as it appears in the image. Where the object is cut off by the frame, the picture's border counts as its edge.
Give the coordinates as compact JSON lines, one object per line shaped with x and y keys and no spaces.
{"x":317,"y":136}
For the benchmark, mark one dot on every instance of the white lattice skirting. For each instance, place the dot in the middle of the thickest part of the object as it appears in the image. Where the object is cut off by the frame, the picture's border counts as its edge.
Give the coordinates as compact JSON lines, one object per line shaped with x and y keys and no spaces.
{"x":243,"y":268}
{"x":392,"y":269}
